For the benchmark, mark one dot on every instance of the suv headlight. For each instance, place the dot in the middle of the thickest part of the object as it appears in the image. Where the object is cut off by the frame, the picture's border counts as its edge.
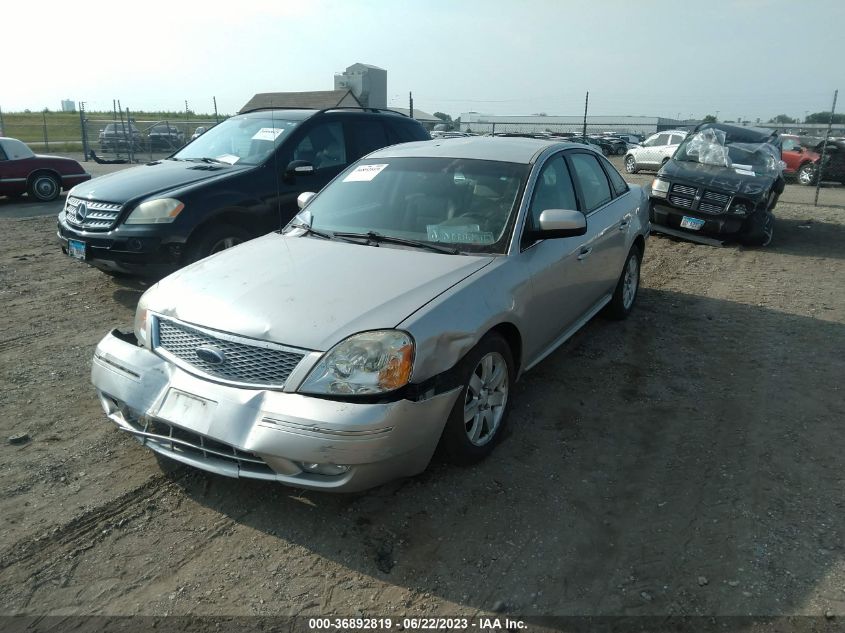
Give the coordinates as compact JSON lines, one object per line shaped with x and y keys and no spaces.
{"x":367,"y":363}
{"x":659,"y":188}
{"x":159,"y":211}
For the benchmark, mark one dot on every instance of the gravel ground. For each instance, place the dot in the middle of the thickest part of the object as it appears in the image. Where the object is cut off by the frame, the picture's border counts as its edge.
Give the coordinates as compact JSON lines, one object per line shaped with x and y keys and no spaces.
{"x":687,"y":461}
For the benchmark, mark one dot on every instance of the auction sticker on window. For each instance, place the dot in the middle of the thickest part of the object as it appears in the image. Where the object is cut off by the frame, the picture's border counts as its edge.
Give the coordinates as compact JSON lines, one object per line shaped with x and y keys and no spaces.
{"x":228,"y":158}
{"x":364,"y":173}
{"x":268,"y":133}
{"x":470,"y":234}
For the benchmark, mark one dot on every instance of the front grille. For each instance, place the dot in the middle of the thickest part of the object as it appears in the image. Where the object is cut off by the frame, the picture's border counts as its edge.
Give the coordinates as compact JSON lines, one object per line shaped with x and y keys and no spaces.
{"x":173,"y":439}
{"x":244,"y":361}
{"x":96,"y":216}
{"x":684,"y":190}
{"x":680,"y":202}
{"x":706,"y":207}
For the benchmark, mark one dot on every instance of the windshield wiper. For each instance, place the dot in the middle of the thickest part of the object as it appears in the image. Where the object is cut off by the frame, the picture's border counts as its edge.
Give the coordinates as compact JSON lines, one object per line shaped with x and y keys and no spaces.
{"x":372,"y":236}
{"x":308,"y":229}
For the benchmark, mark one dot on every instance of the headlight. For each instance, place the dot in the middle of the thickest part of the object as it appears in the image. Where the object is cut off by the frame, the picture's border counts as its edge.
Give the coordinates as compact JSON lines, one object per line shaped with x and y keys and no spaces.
{"x":659,"y":188}
{"x":739,"y":208}
{"x":161,"y":211}
{"x":366,"y":363}
{"x":142,"y":317}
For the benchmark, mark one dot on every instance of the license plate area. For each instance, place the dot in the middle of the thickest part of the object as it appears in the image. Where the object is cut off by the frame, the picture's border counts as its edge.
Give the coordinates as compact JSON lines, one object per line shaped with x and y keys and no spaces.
{"x":691,"y":223}
{"x":76,"y":249}
{"x":188,"y":411}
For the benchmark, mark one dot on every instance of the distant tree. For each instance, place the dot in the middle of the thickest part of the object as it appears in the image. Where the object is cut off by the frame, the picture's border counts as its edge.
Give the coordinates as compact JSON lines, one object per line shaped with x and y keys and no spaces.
{"x":782,"y":118}
{"x":443,"y":117}
{"x":709,"y":119}
{"x":824,"y":117}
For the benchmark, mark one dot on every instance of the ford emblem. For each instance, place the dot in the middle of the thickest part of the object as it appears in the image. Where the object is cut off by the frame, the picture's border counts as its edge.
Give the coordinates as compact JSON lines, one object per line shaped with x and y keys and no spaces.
{"x":210,"y":354}
{"x":81,"y":211}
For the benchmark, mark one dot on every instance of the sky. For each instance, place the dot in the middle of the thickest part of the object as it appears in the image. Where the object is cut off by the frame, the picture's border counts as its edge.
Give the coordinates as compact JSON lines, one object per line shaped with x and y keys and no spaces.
{"x":731,"y":58}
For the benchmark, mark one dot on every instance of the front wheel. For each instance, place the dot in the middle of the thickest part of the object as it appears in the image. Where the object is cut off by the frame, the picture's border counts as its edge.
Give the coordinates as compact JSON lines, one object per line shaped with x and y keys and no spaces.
{"x":807,"y":174}
{"x":759,"y":229}
{"x":215,"y":239}
{"x":44,"y":187}
{"x":631,"y":164}
{"x":478,"y":417}
{"x":625,"y":294}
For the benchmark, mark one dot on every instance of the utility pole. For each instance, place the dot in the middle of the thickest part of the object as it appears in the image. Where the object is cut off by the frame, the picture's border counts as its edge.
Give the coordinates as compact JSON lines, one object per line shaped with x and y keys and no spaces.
{"x":46,"y":141}
{"x":411,"y":104}
{"x":186,"y":118}
{"x":586,"y":101}
{"x":824,"y":148}
{"x":83,"y":131}
{"x":1,"y":123}
{"x":216,"y":120}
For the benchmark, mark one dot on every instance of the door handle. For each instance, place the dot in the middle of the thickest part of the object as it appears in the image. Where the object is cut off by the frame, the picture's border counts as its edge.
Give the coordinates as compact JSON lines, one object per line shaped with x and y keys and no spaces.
{"x":624,"y":224}
{"x":584,"y":253}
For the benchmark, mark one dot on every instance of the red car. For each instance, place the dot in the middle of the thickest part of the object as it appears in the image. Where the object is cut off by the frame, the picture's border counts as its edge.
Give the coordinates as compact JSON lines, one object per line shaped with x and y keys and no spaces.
{"x":801,"y":163}
{"x":42,"y":177}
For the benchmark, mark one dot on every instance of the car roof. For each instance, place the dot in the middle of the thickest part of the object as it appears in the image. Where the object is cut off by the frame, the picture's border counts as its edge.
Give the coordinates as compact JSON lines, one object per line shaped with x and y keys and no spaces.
{"x":508,"y":149}
{"x":301,"y":114}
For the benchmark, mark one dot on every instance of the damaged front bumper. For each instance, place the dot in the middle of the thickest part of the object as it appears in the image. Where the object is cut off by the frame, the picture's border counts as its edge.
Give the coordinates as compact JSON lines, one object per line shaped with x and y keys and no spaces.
{"x":291,"y":438}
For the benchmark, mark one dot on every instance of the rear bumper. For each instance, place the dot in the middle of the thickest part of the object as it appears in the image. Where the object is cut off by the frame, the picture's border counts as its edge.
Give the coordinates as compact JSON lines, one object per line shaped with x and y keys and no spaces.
{"x":262,"y":434}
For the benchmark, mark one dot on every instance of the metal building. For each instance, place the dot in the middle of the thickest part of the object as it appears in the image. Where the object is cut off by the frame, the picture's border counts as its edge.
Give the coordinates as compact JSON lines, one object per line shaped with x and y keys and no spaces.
{"x":368,"y":84}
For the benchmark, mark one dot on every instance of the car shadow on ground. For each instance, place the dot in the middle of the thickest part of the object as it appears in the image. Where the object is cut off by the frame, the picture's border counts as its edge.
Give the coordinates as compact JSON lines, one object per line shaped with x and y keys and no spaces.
{"x":691,"y":469}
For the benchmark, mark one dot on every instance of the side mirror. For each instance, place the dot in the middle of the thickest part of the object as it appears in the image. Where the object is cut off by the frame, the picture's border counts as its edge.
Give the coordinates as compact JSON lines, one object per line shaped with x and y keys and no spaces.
{"x":299,"y":168}
{"x":560,"y":223}
{"x":304,"y":198}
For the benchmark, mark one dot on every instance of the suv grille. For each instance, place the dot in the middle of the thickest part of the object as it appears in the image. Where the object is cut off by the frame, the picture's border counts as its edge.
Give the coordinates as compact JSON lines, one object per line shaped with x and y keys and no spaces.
{"x":91,"y":214}
{"x":711,"y":202}
{"x":244,"y":362}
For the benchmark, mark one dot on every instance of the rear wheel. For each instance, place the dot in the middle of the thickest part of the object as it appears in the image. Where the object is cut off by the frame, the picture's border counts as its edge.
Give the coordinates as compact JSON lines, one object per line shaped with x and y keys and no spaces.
{"x":478,"y":417}
{"x":627,"y":288}
{"x":631,"y":164}
{"x":44,"y":187}
{"x":806,"y":174}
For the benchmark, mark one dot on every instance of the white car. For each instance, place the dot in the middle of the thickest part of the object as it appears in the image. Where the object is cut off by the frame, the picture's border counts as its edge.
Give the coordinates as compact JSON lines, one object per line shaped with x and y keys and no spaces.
{"x":654,"y":152}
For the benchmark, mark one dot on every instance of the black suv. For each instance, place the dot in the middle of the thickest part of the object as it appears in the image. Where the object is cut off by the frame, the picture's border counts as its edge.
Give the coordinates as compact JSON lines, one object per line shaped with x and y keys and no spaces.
{"x":237,"y":181}
{"x":722,"y":183}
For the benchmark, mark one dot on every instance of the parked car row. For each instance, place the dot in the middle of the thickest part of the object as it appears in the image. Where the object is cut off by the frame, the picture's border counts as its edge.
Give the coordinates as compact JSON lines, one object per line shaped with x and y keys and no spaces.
{"x":162,"y":136}
{"x":389,"y":313}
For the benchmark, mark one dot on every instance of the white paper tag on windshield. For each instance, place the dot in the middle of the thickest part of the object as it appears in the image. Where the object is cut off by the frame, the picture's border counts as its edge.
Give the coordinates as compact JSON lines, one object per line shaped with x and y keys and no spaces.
{"x":268,"y":133}
{"x":364,"y":173}
{"x":745,"y":172}
{"x":228,"y":158}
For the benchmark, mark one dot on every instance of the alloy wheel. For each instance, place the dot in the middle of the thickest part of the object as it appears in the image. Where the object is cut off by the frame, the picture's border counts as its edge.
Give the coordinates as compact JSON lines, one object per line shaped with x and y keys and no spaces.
{"x":486,"y":397}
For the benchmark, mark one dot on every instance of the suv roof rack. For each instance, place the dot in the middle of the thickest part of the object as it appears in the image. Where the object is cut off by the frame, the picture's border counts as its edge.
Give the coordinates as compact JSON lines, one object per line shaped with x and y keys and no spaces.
{"x":321,"y":111}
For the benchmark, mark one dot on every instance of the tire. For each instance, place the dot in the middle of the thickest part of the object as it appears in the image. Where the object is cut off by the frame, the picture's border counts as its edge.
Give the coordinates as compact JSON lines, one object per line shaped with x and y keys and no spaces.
{"x":759,"y":229}
{"x":44,"y":187}
{"x":631,"y":164}
{"x":215,"y":239}
{"x":621,"y":151}
{"x":466,"y":442}
{"x":806,"y":174}
{"x":627,"y":288}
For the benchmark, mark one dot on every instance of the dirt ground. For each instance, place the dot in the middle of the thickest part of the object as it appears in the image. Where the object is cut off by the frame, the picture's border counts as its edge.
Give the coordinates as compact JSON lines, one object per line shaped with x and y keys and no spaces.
{"x":688,"y":461}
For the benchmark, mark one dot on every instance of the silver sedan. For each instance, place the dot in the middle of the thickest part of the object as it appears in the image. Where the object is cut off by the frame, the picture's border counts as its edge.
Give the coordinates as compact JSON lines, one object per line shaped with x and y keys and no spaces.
{"x":392,"y":315}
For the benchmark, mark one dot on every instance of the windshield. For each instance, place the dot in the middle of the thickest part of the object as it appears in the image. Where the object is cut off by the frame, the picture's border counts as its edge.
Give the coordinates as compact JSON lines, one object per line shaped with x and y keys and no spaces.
{"x":715,"y":147}
{"x":242,"y":140}
{"x":462,"y":203}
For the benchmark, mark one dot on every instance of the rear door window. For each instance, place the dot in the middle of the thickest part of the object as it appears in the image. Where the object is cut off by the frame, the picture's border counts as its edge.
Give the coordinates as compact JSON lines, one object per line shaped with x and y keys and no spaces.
{"x":677,"y":139}
{"x":595,"y":189}
{"x":323,"y":146}
{"x":365,"y":136}
{"x":616,"y":180}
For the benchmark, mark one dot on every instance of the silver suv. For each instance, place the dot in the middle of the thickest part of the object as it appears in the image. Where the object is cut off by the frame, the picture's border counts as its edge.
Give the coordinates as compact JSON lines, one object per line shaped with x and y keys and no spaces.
{"x":654,"y":152}
{"x":393,"y":314}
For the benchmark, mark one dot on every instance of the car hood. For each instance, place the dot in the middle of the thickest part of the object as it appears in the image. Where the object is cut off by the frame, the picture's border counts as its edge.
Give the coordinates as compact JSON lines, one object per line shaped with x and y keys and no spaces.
{"x":724,"y":179}
{"x":308,"y":292}
{"x":145,"y":180}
